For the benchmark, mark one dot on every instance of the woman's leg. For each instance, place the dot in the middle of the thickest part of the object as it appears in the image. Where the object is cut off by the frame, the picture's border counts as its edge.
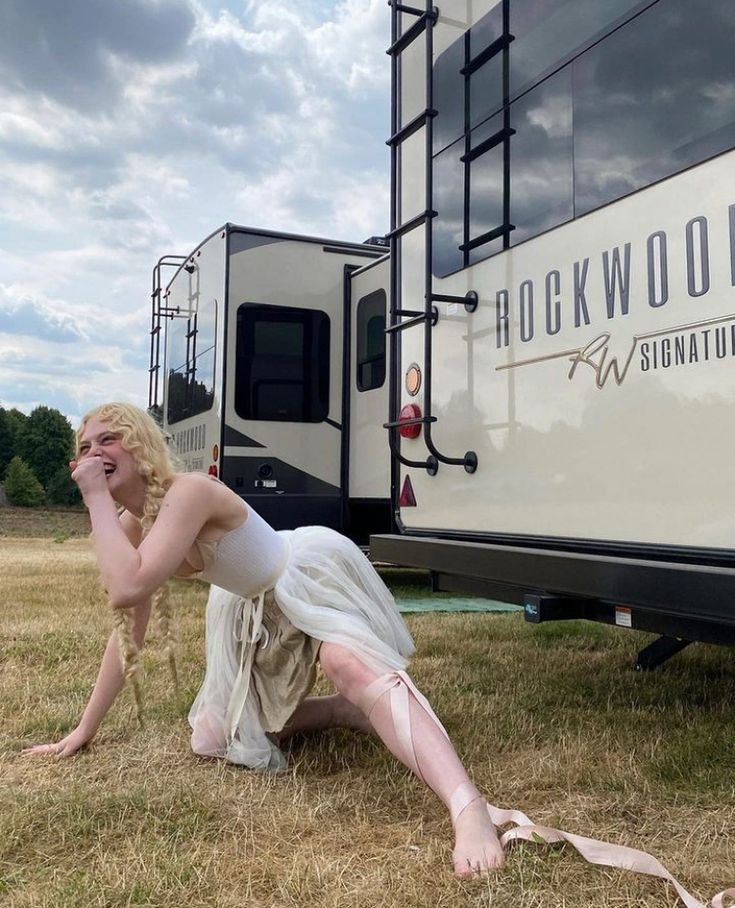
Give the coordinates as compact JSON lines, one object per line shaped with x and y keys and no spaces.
{"x":405,"y":723}
{"x":318,"y":713}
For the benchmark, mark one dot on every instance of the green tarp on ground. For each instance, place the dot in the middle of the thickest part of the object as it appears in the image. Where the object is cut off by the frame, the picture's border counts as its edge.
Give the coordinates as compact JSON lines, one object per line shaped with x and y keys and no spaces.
{"x":454,"y":604}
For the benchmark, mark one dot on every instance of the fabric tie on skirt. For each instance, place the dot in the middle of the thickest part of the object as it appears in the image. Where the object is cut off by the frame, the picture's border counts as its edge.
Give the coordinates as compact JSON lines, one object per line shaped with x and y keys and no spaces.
{"x":249,"y":639}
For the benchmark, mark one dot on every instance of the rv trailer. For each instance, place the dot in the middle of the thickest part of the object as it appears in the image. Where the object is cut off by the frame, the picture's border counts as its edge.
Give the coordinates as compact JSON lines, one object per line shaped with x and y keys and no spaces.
{"x":562,"y":332}
{"x":268,"y":370}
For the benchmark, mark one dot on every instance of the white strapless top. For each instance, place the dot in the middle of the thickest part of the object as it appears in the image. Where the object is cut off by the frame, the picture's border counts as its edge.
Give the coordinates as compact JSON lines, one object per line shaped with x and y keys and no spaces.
{"x":246,"y":561}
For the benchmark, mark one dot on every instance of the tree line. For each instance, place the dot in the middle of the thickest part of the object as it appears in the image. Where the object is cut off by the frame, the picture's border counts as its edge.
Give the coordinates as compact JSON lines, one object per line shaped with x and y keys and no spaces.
{"x":34,"y":458}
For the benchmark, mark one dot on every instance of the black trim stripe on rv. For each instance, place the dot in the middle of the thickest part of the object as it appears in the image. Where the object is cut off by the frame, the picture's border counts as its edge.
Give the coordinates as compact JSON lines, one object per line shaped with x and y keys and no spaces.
{"x":692,"y":591}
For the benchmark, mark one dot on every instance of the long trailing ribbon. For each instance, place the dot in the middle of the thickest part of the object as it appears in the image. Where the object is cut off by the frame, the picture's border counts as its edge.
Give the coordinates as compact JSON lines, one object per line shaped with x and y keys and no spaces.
{"x":400,"y":689}
{"x":597,"y":852}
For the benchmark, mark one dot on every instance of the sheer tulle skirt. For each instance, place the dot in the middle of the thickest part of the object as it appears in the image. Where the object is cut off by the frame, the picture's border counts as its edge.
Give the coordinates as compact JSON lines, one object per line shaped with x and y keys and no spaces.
{"x":328,"y":590}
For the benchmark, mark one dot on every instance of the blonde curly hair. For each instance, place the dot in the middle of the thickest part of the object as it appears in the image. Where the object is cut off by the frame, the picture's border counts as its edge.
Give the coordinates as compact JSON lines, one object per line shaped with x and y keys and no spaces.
{"x":141,"y":436}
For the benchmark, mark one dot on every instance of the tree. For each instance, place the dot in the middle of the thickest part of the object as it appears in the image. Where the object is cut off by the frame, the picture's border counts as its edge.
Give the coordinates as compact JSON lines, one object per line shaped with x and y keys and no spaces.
{"x":7,"y":441}
{"x":21,"y":485}
{"x":62,"y":489}
{"x":47,"y":442}
{"x":12,"y":427}
{"x":18,"y":422}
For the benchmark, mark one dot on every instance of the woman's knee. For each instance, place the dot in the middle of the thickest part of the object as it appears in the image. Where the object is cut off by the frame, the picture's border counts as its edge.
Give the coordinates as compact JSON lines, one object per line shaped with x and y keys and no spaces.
{"x":344,"y":669}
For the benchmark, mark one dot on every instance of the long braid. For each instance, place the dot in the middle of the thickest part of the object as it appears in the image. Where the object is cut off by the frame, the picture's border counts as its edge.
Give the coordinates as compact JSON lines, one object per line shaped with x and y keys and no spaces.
{"x":123,"y":619}
{"x":167,"y":629}
{"x":123,"y":623}
{"x":143,"y":439}
{"x":155,"y":491}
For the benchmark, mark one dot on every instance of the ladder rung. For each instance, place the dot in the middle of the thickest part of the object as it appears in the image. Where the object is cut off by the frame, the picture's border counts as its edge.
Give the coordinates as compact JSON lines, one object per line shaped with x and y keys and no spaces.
{"x":408,"y":313}
{"x":412,"y":33}
{"x":502,"y":135}
{"x":402,"y":8}
{"x":154,"y":369}
{"x":409,"y":225}
{"x":432,"y":317}
{"x":492,"y":50}
{"x":469,"y":300}
{"x":418,"y":421}
{"x":410,"y":128}
{"x":487,"y":237}
{"x":409,"y":323}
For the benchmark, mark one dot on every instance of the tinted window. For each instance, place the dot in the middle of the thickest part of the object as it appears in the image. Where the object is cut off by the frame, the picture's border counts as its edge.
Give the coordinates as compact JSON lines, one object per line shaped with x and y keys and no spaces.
{"x":448,"y":226}
{"x":448,"y":87}
{"x":541,"y":158}
{"x":628,"y":103}
{"x":548,"y":33}
{"x":190,"y":359}
{"x":671,"y":105}
{"x":282,"y":364}
{"x":485,"y":175}
{"x":485,"y":82}
{"x":370,"y":353}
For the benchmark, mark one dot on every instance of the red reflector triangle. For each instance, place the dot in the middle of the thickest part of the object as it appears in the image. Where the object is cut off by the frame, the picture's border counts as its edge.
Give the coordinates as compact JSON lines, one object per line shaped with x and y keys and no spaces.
{"x":407,"y":499}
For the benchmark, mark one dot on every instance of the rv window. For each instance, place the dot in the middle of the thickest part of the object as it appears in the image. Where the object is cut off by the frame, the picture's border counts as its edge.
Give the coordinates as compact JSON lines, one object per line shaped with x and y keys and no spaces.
{"x":190,"y":363}
{"x":370,"y":353}
{"x":584,"y":129}
{"x":547,"y":34}
{"x":282,"y":363}
{"x":672,"y":115}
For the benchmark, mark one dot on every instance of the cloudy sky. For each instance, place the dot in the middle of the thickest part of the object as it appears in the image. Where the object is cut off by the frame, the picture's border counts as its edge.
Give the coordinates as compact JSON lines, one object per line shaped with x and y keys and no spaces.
{"x":134,"y":128}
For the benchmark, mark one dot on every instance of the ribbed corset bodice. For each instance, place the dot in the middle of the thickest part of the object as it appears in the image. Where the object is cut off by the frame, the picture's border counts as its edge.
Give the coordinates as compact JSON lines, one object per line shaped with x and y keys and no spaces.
{"x":247,"y":560}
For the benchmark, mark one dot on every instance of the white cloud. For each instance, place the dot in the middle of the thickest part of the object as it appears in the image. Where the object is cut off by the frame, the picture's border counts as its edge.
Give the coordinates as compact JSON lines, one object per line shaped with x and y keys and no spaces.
{"x":135,"y":143}
{"x":22,"y":314}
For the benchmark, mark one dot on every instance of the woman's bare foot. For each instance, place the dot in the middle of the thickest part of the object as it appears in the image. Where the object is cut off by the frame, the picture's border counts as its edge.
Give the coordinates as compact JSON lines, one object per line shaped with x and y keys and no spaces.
{"x":477,"y":848}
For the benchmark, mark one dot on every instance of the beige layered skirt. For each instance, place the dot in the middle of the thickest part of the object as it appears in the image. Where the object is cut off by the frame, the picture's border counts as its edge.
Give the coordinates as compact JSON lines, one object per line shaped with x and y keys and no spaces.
{"x":262,"y":651}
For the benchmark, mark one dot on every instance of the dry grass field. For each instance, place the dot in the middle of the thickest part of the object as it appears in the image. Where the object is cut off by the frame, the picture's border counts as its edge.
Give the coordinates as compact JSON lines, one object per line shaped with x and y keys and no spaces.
{"x":59,"y":523}
{"x":550,"y":719}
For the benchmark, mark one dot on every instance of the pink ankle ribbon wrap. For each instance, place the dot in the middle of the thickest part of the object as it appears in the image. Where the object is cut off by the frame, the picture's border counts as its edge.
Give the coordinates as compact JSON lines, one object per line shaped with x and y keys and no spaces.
{"x":401,"y":689}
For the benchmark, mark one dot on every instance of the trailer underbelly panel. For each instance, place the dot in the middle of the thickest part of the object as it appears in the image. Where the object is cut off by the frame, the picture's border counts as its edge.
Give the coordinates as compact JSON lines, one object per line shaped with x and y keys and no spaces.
{"x":687,"y":591}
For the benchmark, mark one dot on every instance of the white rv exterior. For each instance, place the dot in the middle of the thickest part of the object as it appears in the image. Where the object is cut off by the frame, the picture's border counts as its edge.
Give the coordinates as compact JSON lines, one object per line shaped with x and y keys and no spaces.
{"x":266,"y":373}
{"x":551,"y":159}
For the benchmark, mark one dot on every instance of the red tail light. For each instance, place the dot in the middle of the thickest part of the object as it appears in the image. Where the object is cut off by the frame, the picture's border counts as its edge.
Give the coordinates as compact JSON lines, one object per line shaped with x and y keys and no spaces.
{"x":410,"y":411}
{"x":213,"y":471}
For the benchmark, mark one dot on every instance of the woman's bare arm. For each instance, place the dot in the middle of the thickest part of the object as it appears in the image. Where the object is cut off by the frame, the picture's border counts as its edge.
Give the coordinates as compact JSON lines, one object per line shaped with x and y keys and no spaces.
{"x":109,"y":683}
{"x":132,"y":574}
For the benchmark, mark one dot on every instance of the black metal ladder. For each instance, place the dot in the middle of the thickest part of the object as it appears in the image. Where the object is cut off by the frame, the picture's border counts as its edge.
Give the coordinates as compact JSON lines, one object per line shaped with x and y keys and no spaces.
{"x":159,"y":311}
{"x":500,"y":45}
{"x":400,"y":318}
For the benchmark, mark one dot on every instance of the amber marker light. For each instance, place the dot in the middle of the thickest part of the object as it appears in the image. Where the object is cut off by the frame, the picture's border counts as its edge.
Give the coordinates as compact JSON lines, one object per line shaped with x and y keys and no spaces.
{"x":413,"y":379}
{"x":215,"y":453}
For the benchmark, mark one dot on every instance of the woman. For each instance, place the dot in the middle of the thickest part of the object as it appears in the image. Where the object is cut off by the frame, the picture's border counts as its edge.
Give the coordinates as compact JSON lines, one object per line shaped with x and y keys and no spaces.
{"x":279,"y":603}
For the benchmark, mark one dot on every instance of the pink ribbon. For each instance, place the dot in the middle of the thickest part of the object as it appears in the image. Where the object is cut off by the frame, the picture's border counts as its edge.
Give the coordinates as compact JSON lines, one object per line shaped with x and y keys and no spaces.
{"x":401,"y":689}
{"x":597,"y":852}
